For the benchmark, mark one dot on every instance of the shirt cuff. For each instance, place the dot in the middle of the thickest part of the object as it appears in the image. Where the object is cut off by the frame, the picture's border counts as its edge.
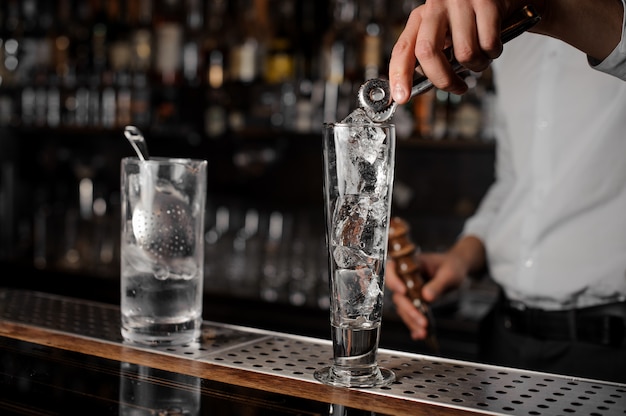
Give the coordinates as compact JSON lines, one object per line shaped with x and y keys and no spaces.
{"x":615,"y":63}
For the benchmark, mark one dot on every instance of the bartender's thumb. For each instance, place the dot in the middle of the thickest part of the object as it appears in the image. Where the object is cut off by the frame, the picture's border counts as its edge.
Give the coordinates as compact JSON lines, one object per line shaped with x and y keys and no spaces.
{"x":440,"y":283}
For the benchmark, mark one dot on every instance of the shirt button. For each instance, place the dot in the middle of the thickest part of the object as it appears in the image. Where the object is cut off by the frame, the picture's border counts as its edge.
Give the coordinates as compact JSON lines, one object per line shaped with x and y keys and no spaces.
{"x":542,"y":124}
{"x":528,"y":263}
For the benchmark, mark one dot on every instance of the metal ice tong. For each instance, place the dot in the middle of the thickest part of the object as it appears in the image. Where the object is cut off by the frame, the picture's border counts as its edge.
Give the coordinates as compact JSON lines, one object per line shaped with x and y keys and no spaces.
{"x":374,"y":95}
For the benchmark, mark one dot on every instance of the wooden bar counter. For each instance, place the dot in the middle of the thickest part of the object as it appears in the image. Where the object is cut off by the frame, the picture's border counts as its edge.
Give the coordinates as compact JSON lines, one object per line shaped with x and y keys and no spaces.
{"x":61,"y":355}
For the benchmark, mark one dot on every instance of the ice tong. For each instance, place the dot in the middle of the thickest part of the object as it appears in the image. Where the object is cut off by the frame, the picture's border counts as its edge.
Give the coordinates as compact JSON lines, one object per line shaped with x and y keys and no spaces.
{"x":374,"y":95}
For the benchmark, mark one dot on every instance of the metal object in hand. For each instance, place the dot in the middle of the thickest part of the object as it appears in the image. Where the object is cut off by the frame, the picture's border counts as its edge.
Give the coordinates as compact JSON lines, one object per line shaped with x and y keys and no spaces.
{"x":374,"y":95}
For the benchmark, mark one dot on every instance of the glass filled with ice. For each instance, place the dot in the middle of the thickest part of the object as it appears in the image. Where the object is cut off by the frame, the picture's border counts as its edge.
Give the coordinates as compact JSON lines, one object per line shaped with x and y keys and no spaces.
{"x":358,"y":180}
{"x":162,"y":250}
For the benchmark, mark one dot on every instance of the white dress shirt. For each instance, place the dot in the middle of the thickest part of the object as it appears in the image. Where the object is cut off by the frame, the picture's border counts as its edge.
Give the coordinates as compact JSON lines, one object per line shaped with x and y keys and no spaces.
{"x":554,"y":221}
{"x":615,"y":63}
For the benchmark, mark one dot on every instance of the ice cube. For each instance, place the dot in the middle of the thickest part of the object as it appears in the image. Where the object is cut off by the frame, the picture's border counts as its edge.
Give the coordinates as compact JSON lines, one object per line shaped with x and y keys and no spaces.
{"x":360,"y":150}
{"x":358,"y":292}
{"x":138,"y":261}
{"x":350,"y":292}
{"x":349,"y":220}
{"x":358,"y":116}
{"x":350,"y":258}
{"x":359,"y":223}
{"x":373,"y":296}
{"x":181,"y":268}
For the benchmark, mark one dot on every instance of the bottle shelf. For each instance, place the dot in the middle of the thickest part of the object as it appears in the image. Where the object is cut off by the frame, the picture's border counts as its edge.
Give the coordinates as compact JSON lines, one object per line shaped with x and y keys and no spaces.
{"x":213,"y":67}
{"x":200,"y":80}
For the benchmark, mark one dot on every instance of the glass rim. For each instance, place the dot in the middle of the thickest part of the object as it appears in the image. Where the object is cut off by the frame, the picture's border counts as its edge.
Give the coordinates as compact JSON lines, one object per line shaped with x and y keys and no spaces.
{"x":352,"y":124}
{"x":162,"y":160}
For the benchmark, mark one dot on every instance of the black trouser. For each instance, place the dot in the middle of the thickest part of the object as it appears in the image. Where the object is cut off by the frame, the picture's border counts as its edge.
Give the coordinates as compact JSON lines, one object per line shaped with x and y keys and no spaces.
{"x":561,"y":343}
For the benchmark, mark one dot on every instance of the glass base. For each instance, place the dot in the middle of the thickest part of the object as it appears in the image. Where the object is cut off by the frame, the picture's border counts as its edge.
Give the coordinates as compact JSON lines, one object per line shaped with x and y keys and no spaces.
{"x":376,"y":377}
{"x":157,"y":334}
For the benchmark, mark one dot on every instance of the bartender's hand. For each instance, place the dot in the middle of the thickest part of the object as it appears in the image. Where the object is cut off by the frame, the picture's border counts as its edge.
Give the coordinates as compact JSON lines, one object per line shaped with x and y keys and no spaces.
{"x":472,"y":26}
{"x":443,"y":272}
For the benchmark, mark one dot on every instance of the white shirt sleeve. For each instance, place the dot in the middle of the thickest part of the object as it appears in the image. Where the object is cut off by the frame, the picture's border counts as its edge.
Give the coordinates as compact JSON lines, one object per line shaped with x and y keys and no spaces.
{"x":615,"y":63}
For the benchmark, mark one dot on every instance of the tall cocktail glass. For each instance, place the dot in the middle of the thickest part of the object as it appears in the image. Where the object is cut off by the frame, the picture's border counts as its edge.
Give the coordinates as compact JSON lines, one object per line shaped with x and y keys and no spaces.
{"x":162,"y":250}
{"x":358,"y":180}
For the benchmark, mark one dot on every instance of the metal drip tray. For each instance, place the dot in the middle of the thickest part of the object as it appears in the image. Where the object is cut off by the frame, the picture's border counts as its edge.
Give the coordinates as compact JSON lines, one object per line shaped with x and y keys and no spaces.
{"x":443,"y":382}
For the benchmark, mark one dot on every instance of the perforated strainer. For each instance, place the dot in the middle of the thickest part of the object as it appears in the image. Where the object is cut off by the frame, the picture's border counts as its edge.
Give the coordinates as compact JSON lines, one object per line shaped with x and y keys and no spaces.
{"x":164,"y":227}
{"x":162,"y":218}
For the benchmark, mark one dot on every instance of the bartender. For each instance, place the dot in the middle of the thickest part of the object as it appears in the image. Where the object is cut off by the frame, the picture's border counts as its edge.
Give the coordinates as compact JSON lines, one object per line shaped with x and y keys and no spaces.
{"x":551,"y":230}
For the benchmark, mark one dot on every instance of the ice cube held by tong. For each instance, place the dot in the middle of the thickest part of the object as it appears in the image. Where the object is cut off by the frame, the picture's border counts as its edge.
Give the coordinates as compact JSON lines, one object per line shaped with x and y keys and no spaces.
{"x":374,"y":95}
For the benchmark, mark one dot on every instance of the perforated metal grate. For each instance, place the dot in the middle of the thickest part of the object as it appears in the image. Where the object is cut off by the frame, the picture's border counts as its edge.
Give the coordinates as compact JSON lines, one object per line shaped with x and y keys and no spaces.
{"x":424,"y":379}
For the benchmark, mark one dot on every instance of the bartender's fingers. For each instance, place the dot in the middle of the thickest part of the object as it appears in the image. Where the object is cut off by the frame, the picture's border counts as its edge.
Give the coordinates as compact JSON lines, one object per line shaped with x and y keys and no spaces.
{"x":446,"y":272}
{"x":412,"y":318}
{"x":402,"y":62}
{"x":431,"y":40}
{"x":489,"y":24}
{"x":475,"y":34}
{"x":415,"y":321}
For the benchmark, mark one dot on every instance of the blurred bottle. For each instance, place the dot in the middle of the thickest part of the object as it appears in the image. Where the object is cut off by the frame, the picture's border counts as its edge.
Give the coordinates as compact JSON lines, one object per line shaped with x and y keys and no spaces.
{"x":74,"y":75}
{"x":12,"y":32}
{"x":245,"y":258}
{"x":312,"y":21}
{"x":423,"y":113}
{"x":101,"y":96}
{"x":29,"y":61}
{"x":140,"y":21}
{"x":373,"y":39}
{"x":99,"y":33}
{"x":216,"y":50}
{"x":168,"y":23}
{"x":275,"y":273}
{"x":215,"y":239}
{"x":247,"y":55}
{"x":443,"y":112}
{"x":302,"y":263}
{"x":467,"y":120}
{"x":193,"y":42}
{"x":342,"y":47}
{"x":280,"y":62}
{"x":117,"y":76}
{"x":168,"y":20}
